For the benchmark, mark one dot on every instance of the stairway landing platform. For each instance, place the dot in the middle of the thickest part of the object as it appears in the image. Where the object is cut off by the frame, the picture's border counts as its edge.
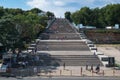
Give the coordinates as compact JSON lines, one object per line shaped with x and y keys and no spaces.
{"x":65,"y":52}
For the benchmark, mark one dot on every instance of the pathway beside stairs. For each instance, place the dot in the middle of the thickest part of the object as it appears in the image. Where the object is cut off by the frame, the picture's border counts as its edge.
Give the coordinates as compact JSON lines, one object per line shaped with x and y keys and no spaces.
{"x":76,"y":71}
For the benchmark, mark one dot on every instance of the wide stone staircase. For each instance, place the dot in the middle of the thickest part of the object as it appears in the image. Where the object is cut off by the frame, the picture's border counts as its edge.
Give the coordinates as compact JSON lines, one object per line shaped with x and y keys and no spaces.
{"x":62,"y":37}
{"x":64,"y":45}
{"x":69,"y":60}
{"x":57,"y":36}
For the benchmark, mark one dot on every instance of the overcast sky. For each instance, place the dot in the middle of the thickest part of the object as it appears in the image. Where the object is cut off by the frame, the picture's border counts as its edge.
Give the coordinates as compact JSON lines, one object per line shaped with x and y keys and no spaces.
{"x":59,"y":7}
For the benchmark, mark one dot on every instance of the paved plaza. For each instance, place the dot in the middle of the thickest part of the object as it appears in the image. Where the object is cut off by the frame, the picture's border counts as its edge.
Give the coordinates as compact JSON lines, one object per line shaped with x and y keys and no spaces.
{"x":110,"y":51}
{"x":76,"y":71}
{"x":62,"y":78}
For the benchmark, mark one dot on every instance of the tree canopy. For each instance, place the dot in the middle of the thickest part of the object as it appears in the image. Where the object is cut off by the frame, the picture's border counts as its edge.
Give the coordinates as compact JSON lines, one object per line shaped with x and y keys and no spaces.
{"x":67,"y":16}
{"x":18,"y":26}
{"x":99,"y":17}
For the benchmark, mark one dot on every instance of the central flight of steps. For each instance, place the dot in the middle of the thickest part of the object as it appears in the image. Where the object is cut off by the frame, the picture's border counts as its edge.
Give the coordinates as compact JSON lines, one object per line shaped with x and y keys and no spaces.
{"x":60,"y":37}
{"x":69,"y":60}
{"x":64,"y":45}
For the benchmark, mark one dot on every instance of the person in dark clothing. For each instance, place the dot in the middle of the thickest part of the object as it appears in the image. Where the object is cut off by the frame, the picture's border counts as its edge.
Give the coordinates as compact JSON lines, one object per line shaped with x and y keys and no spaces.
{"x":63,"y":65}
{"x":92,"y":67}
{"x":86,"y":67}
{"x":98,"y":68}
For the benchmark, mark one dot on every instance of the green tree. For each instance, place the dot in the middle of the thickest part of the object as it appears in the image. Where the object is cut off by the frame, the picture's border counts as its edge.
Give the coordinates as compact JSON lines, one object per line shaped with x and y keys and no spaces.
{"x":50,"y":15}
{"x":77,"y":19}
{"x":1,"y":12}
{"x":106,"y":16}
{"x":85,"y":13}
{"x":13,"y":11}
{"x":8,"y":33}
{"x":82,"y":16}
{"x":18,"y":27}
{"x":36,"y":10}
{"x":112,"y":14}
{"x":68,"y":16}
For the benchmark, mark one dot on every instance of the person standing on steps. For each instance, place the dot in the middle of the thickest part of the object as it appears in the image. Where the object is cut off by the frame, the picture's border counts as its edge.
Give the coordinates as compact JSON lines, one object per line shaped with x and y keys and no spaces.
{"x":64,"y":65}
{"x":86,"y":66}
{"x":92,"y":67}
